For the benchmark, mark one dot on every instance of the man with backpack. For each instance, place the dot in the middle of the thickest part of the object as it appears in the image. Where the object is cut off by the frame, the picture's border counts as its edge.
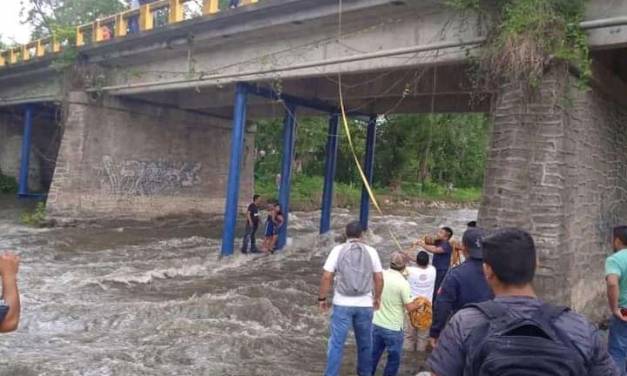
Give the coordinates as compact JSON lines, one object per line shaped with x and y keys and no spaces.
{"x":358,"y":285}
{"x":516,"y":333}
{"x":616,"y":278}
{"x":462,"y":285}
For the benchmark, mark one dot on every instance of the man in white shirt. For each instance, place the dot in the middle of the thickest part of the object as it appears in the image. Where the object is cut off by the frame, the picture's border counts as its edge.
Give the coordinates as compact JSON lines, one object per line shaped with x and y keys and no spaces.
{"x":421,"y":280}
{"x":358,"y":285}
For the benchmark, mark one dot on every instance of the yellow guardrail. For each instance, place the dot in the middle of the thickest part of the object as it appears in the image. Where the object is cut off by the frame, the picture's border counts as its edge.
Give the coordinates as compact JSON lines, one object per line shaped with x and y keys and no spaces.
{"x":109,"y":28}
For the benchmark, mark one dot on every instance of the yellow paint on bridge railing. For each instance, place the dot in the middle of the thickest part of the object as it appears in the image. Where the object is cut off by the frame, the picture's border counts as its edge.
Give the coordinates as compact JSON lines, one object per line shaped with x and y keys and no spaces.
{"x":111,"y":27}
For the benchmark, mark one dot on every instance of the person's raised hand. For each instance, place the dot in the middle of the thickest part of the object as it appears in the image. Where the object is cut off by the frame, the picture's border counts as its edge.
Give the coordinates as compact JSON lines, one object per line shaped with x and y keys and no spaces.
{"x":9,"y":263}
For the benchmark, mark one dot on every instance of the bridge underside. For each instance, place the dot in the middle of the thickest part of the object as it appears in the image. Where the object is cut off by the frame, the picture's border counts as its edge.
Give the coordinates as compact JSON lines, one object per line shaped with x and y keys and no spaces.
{"x":440,"y":89}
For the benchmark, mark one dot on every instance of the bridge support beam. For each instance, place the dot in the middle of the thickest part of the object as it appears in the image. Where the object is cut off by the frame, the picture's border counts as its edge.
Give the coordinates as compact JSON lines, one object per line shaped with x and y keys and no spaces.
{"x":25,"y":152}
{"x":233,"y":185}
{"x":329,"y":175}
{"x":289,"y":142}
{"x":368,"y":170}
{"x":559,"y":172}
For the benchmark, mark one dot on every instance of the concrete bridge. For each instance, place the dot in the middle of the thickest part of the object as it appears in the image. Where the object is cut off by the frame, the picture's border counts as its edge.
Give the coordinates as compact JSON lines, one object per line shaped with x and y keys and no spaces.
{"x":159,"y":121}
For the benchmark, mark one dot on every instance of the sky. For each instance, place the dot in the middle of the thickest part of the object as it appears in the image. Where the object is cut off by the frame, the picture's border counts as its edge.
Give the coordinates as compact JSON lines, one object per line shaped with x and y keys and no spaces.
{"x":11,"y":30}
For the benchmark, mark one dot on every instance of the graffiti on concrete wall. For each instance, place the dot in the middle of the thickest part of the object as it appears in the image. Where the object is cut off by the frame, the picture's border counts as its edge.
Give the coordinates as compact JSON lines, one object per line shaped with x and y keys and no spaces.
{"x":147,"y":178}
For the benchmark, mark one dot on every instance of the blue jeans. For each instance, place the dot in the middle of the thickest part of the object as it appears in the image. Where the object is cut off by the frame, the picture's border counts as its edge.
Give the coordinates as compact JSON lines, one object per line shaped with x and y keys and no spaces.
{"x":249,"y":237}
{"x":342,"y":319}
{"x":617,"y":346}
{"x":392,"y":341}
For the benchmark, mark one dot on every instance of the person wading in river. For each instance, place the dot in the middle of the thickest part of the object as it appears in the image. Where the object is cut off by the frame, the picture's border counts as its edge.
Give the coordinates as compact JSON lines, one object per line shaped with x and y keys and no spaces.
{"x":10,"y":306}
{"x":252,"y":223}
{"x":358,"y":286}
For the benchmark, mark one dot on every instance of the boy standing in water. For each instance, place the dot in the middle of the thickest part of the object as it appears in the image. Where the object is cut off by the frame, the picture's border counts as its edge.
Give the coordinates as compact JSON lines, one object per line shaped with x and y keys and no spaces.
{"x":269,"y":232}
{"x":277,"y":226}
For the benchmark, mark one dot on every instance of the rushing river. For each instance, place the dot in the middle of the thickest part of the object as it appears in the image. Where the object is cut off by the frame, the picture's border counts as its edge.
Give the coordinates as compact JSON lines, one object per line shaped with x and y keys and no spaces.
{"x":154,"y":299}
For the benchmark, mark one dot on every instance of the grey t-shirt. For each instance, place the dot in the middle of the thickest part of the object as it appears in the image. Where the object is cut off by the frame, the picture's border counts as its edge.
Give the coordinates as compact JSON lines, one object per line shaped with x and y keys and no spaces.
{"x":449,"y":357}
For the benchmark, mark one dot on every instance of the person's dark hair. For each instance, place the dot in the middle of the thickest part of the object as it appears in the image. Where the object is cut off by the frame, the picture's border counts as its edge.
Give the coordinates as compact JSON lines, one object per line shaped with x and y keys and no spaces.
{"x":422,"y":258}
{"x":620,"y":233}
{"x":277,"y":205}
{"x":471,"y":224}
{"x":449,"y":231}
{"x":512,"y":255}
{"x":255,"y":197}
{"x":354,"y":230}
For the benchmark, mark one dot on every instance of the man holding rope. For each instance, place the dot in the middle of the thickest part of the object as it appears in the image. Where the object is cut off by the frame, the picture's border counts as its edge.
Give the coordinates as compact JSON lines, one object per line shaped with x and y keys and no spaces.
{"x":442,"y":251}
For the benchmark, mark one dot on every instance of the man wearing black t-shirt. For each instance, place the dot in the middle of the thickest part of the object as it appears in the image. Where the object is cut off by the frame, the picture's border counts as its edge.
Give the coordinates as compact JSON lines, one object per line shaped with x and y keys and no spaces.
{"x":252,"y":223}
{"x":441,"y":255}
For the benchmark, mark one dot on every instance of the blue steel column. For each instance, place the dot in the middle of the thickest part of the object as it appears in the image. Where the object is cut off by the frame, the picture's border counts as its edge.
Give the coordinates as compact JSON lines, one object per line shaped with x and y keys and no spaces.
{"x":329,"y":175}
{"x":232,"y":188}
{"x":289,"y":138}
{"x":368,"y":170}
{"x":26,"y":143}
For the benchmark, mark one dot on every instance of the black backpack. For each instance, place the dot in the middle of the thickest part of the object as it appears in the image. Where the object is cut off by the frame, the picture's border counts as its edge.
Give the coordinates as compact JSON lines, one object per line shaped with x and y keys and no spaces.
{"x":507,"y":345}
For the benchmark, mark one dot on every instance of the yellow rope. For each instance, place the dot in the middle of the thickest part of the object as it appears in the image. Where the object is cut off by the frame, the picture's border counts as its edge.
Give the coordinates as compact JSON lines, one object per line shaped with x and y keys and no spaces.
{"x":358,"y":164}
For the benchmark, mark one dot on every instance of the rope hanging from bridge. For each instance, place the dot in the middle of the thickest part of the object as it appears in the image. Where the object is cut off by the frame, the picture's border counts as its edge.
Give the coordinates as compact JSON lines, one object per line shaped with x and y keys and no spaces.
{"x":350,"y":139}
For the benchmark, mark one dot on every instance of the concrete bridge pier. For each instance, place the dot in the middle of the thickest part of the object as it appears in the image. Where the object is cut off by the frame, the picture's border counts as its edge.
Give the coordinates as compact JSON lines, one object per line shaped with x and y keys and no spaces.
{"x":123,"y":157}
{"x":557,"y":166}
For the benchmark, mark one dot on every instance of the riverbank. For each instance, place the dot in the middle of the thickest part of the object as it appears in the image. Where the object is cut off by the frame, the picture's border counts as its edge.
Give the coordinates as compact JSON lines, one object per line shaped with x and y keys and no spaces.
{"x":307,"y":195}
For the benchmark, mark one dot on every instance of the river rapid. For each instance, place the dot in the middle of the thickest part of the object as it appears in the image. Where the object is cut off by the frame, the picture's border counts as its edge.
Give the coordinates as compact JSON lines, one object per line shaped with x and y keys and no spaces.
{"x":153,"y":298}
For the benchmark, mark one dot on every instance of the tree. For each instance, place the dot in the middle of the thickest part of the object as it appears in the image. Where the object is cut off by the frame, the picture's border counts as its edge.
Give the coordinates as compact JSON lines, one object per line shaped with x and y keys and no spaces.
{"x":60,"y":17}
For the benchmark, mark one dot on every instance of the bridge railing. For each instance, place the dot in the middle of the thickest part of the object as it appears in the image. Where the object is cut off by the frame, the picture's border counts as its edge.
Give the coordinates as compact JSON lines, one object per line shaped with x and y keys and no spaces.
{"x":111,"y":27}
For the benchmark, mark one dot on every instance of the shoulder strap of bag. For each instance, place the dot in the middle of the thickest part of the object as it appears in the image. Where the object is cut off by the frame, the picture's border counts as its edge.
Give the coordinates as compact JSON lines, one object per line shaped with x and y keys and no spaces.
{"x":490,"y":309}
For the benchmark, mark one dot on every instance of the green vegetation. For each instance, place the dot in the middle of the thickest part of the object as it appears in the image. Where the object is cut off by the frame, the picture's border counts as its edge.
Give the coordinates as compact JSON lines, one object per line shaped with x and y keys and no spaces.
{"x":530,"y":35}
{"x":8,"y":184}
{"x":307,"y":193}
{"x":36,"y":217}
{"x":60,"y":17}
{"x":417,"y":158}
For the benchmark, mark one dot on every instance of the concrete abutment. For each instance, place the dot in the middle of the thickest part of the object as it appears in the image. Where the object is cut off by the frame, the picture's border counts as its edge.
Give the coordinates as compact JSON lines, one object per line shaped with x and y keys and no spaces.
{"x":124,"y":158}
{"x":557,"y":167}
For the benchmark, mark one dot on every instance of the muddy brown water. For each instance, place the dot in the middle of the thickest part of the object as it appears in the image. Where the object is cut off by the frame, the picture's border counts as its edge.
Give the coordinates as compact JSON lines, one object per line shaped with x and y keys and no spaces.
{"x":153,"y":298}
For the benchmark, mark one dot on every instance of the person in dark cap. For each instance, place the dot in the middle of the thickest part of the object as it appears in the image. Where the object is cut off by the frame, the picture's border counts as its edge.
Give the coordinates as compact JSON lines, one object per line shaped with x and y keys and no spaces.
{"x":462,"y":285}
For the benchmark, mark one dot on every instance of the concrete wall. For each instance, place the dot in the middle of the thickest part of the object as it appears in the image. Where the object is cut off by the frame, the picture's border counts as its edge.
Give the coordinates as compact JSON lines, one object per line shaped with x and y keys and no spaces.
{"x":121,"y":158}
{"x":557,"y":167}
{"x":45,"y":145}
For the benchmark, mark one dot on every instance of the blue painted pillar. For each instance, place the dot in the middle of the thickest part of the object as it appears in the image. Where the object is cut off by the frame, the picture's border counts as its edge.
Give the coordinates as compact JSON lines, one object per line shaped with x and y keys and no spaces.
{"x":368,"y":170}
{"x":232,"y":188}
{"x":329,"y":175}
{"x":289,"y":141}
{"x":25,"y":159}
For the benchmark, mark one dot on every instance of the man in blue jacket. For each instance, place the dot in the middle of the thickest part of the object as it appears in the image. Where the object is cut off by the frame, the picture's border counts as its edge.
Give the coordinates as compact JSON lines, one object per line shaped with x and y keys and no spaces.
{"x":462,"y":285}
